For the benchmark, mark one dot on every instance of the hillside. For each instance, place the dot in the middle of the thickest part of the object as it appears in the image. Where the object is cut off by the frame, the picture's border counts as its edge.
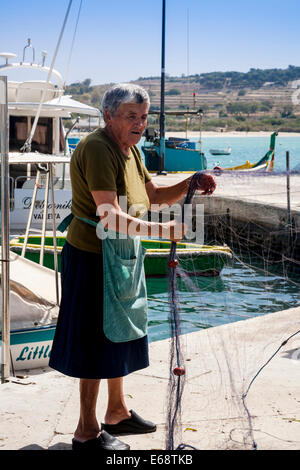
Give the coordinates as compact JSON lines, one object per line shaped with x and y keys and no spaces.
{"x":244,"y":102}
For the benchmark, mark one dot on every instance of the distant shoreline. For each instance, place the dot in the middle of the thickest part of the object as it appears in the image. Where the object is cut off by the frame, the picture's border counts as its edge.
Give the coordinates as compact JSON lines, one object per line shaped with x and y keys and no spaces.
{"x":229,"y":134}
{"x":195,"y":134}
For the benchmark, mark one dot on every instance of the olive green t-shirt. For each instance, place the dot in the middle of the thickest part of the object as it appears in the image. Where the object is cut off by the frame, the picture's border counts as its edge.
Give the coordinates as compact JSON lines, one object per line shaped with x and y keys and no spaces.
{"x":97,"y":164}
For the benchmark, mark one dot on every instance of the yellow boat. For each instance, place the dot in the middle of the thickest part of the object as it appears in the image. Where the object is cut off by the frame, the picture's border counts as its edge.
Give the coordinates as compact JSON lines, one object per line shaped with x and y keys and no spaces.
{"x":266,"y":163}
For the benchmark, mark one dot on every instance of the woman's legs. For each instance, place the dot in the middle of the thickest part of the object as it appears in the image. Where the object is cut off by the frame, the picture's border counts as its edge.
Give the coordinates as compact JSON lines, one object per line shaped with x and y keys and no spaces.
{"x":116,"y":407}
{"x":88,"y":427}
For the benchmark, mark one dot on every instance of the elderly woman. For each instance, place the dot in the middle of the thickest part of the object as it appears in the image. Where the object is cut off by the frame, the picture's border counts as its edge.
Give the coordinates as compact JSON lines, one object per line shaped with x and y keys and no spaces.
{"x":100,"y":334}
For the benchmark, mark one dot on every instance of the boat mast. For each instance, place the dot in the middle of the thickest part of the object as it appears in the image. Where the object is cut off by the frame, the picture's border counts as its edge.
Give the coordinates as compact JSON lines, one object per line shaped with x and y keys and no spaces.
{"x":5,"y":346}
{"x":162,"y":118}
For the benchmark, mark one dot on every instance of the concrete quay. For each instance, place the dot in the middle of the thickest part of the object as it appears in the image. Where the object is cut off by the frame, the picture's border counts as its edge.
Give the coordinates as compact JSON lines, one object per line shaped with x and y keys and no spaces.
{"x":249,"y":210}
{"x":250,"y":197}
{"x":40,"y":411}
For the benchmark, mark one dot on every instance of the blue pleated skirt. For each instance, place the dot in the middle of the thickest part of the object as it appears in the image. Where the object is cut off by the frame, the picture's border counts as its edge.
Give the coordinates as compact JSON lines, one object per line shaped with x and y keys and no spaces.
{"x":80,"y":348}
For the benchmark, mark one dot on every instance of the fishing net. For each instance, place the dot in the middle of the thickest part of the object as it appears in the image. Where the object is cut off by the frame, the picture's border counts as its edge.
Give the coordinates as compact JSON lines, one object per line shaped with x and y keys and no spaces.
{"x":243,"y":314}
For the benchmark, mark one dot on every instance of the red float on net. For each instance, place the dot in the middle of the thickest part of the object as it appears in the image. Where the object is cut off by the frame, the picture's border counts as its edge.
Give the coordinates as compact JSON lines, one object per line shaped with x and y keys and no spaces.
{"x":179,"y":371}
{"x":173,"y":263}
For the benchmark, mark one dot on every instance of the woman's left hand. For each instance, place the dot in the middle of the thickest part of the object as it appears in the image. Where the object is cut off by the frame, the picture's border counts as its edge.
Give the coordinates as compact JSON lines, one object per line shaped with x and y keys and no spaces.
{"x":207,"y":184}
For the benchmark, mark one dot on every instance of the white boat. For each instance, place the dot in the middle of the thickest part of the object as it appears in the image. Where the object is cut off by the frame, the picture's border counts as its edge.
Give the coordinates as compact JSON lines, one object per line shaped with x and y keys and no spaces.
{"x":226,"y":151}
{"x":33,"y":313}
{"x":32,"y":292}
{"x":50,"y":138}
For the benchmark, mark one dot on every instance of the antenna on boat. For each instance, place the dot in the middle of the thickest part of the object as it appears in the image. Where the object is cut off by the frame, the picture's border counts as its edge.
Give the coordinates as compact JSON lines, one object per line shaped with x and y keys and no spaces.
{"x":29,"y":46}
{"x":200,"y":114}
{"x":162,"y":117}
{"x":44,"y":55}
{"x":7,"y":56}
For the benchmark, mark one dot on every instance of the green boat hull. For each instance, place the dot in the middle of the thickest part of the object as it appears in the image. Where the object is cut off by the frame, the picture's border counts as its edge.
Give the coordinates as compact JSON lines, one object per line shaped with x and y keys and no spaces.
{"x":194,"y":259}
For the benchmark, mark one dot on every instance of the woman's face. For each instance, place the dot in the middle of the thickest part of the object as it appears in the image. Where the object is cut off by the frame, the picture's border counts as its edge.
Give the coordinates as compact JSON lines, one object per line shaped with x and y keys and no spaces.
{"x":128,"y":123}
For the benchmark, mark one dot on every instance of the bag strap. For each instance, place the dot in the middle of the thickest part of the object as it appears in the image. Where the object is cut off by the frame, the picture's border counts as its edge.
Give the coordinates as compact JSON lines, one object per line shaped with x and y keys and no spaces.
{"x":67,"y":220}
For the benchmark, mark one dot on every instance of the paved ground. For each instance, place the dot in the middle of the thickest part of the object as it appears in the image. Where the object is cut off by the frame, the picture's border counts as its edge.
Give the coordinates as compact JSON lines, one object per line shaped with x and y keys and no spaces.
{"x":260,"y":199}
{"x":41,"y":411}
{"x":270,"y":189}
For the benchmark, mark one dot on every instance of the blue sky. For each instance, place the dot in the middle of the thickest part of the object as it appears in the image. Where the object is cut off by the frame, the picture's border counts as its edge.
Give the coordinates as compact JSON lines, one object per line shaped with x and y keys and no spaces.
{"x":120,"y":40}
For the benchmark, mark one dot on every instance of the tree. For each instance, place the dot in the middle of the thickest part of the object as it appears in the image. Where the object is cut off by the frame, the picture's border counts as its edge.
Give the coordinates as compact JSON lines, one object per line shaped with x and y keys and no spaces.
{"x":87,"y":82}
{"x":173,"y":91}
{"x":287,"y":111}
{"x":96,"y":97}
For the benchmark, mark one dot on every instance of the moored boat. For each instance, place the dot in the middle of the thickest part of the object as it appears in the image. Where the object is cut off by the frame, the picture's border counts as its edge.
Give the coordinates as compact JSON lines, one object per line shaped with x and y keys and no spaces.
{"x":33,"y":313}
{"x":46,"y":100}
{"x":31,"y":347}
{"x":202,"y":260}
{"x":266,"y":163}
{"x":179,"y":154}
{"x":226,"y":151}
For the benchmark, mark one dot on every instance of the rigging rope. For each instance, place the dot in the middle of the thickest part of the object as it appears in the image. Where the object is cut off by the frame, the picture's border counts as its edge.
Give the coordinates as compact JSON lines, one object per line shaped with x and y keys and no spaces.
{"x":72,"y":45}
{"x":27,"y":145}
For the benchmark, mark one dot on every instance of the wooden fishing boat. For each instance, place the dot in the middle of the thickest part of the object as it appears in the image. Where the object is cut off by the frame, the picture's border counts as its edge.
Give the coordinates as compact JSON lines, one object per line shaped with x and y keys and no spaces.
{"x":178,"y":154}
{"x":163,"y":155}
{"x":266,"y":163}
{"x":202,"y":260}
{"x":220,"y":151}
{"x":33,"y":303}
{"x":31,"y":347}
{"x":33,"y":313}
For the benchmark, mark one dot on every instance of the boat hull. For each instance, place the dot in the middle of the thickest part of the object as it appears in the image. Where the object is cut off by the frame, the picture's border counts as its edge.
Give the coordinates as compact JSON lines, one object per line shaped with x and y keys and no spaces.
{"x":176,"y":159}
{"x":194,"y":259}
{"x":31,"y":348}
{"x":266,"y":163}
{"x":220,"y":152}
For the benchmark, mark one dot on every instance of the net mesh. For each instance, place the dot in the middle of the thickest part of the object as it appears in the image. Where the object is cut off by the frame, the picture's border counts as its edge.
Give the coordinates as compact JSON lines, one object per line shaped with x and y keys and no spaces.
{"x":252,"y":214}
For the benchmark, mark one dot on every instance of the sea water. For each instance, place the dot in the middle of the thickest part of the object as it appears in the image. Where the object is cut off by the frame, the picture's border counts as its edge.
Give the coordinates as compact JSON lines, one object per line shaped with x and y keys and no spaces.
{"x":252,"y":149}
{"x":241,"y":291}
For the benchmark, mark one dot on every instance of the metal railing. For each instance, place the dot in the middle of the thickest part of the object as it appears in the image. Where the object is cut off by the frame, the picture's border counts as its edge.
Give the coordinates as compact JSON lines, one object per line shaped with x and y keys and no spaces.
{"x":5,"y":284}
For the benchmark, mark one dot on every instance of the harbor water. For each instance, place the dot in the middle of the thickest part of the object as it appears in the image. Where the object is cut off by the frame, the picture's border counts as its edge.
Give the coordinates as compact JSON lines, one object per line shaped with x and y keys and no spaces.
{"x":244,"y":289}
{"x":241,"y":291}
{"x":252,"y":149}
{"x":244,"y":148}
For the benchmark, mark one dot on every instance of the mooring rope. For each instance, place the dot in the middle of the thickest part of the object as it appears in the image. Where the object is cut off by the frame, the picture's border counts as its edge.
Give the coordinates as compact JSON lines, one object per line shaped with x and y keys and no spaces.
{"x":267,"y":362}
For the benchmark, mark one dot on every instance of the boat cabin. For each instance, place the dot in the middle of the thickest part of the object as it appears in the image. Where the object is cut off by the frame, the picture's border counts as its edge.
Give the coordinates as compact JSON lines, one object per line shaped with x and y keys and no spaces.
{"x":39,"y":104}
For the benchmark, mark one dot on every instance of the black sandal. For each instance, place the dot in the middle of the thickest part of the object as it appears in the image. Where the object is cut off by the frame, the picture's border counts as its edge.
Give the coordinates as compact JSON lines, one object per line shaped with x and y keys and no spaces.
{"x":133,"y":425}
{"x":103,"y":442}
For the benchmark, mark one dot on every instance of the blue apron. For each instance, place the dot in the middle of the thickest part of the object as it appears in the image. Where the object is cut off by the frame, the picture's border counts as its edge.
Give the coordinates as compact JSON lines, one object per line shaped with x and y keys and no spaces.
{"x":125,"y":296}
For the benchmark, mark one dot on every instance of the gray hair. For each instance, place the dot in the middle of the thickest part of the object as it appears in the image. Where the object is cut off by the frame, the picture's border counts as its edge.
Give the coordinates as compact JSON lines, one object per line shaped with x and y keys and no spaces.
{"x":123,"y":93}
